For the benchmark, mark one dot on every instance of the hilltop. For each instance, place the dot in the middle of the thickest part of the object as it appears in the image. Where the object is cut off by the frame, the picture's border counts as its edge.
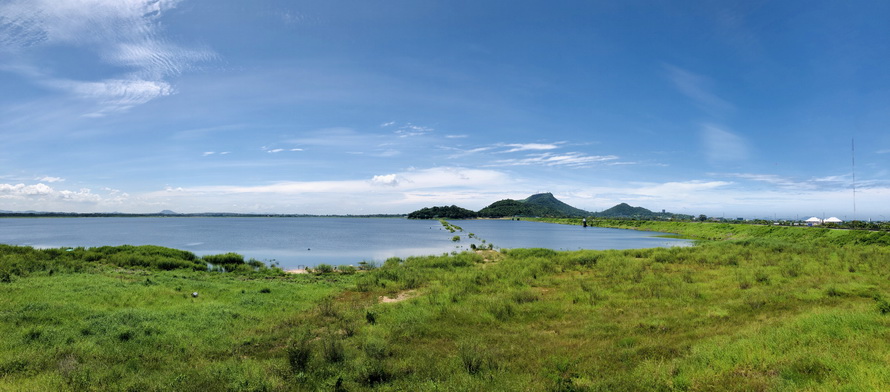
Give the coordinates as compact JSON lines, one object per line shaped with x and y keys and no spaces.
{"x":542,"y":204}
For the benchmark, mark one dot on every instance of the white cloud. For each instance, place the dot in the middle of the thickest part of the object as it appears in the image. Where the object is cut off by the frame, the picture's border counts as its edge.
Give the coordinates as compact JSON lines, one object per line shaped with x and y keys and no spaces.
{"x":410,"y":130}
{"x":22,"y":190}
{"x":114,"y":94}
{"x":50,"y":179}
{"x":124,"y":33}
{"x":277,"y":150}
{"x":530,"y":147}
{"x":570,"y":159}
{"x":387,"y":179}
{"x":43,"y":192}
{"x":157,"y":58}
{"x":462,"y":153}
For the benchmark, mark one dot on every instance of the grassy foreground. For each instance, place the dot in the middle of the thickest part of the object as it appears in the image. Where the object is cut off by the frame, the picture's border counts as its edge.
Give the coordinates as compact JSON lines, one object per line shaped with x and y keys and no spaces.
{"x":795,"y":309}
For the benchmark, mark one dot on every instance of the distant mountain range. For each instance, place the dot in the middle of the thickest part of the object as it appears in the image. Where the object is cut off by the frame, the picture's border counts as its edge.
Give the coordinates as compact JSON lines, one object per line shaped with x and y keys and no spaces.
{"x":540,"y":205}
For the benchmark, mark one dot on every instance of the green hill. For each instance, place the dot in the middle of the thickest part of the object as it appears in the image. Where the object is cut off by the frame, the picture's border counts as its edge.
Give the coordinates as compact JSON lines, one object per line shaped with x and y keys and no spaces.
{"x":540,"y":205}
{"x":452,"y":212}
{"x":624,"y":210}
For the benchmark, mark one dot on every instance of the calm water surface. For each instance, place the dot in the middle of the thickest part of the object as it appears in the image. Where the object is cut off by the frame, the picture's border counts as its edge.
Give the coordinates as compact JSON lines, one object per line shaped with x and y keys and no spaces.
{"x":295,"y":242}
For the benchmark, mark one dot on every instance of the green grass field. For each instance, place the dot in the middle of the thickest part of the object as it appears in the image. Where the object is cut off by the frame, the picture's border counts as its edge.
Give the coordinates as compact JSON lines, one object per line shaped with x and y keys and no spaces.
{"x":751,"y":309}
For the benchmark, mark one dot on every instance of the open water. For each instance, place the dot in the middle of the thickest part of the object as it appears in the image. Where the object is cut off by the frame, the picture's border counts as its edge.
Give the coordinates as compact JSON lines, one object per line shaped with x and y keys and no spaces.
{"x":297,"y":242}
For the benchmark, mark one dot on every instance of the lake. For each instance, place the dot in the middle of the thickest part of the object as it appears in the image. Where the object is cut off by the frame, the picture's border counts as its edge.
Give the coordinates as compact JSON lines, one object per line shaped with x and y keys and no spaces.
{"x":296,"y":242}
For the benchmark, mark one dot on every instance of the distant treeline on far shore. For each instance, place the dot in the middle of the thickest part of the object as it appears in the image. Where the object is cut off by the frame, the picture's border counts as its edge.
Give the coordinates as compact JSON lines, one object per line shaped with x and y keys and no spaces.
{"x":175,"y":215}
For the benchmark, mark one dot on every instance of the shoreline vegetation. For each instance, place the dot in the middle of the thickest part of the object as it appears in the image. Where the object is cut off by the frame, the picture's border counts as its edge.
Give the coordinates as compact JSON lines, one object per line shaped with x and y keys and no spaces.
{"x":749,"y":308}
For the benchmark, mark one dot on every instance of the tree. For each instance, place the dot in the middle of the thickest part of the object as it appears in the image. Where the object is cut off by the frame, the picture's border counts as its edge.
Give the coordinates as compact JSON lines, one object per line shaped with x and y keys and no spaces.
{"x":702,"y":218}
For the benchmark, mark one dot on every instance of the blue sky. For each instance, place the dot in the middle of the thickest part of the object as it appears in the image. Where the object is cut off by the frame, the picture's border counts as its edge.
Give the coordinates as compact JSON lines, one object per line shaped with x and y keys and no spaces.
{"x":353,"y":107}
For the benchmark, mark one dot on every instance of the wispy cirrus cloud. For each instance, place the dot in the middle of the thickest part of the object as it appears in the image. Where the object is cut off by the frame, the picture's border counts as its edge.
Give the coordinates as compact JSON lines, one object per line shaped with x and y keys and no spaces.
{"x":570,"y":159}
{"x":535,"y":154}
{"x":122,"y":33}
{"x":409,"y":130}
{"x":722,"y":145}
{"x":789,"y":183}
{"x":530,"y":147}
{"x":699,"y":89}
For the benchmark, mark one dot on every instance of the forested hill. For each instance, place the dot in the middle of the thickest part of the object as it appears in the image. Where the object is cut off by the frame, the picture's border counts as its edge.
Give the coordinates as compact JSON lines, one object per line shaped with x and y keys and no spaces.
{"x":452,"y":212}
{"x":624,"y":210}
{"x":542,"y":205}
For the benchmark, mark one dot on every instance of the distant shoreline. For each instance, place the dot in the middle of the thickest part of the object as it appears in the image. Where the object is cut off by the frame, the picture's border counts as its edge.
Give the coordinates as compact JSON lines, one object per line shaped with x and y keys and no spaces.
{"x":197,"y":215}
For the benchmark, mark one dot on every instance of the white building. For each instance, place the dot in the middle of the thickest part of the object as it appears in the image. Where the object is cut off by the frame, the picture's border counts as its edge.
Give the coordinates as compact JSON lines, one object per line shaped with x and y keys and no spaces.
{"x":833,"y":219}
{"x":813,"y":221}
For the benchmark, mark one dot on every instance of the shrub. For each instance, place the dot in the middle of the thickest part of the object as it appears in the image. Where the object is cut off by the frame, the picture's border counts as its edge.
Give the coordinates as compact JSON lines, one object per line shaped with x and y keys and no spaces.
{"x":256,"y":264}
{"x":326,"y":308}
{"x":376,"y":348}
{"x":5,"y":277}
{"x":501,"y":309}
{"x":224,"y":259}
{"x":374,"y":372}
{"x":299,"y":352}
{"x":324,"y":269}
{"x":525,"y":296}
{"x":347,"y":269}
{"x":471,"y":358}
{"x":332,"y":349}
{"x":884,"y":306}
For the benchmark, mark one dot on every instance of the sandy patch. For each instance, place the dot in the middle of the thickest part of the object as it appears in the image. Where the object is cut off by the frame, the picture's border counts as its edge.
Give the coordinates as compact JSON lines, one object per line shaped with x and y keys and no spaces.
{"x":399,"y":298}
{"x":297,"y":271}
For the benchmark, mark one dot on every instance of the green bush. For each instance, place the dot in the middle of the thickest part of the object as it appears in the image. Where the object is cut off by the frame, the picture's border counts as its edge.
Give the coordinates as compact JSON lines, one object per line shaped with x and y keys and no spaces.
{"x":324,"y":269}
{"x":224,"y":259}
{"x":346,"y":269}
{"x":332,"y":349}
{"x":299,"y":352}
